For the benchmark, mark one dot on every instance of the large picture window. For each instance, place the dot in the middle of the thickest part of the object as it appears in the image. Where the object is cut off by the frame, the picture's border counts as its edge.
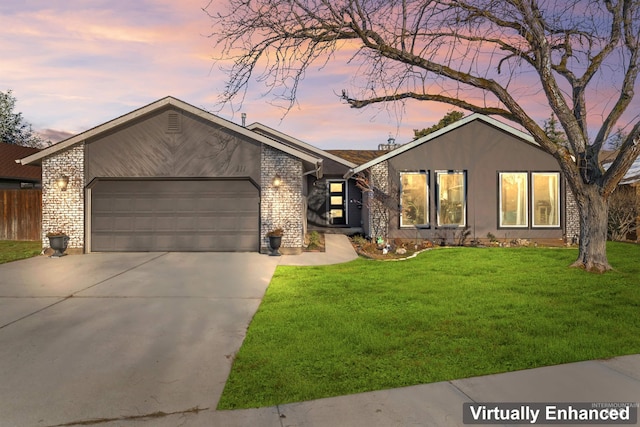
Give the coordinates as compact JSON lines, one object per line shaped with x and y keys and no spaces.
{"x":414,"y":200}
{"x":452,"y":198}
{"x":546,"y":199}
{"x":514,"y":199}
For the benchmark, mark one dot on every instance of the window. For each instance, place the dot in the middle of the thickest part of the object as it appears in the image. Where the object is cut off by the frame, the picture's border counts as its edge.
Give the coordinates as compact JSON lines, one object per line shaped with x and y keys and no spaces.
{"x":452,"y":198}
{"x":514,"y":199}
{"x":546,"y":199}
{"x":414,"y":199}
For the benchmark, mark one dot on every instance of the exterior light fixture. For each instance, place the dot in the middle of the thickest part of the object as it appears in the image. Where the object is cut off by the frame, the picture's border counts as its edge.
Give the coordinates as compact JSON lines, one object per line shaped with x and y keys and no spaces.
{"x":62,"y":183}
{"x":277,"y":181}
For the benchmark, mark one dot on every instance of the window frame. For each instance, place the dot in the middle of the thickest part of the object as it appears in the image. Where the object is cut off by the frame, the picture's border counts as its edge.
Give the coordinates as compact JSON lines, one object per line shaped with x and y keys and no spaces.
{"x":426,"y":195}
{"x":557,"y":203}
{"x":464,"y":174}
{"x":526,"y":200}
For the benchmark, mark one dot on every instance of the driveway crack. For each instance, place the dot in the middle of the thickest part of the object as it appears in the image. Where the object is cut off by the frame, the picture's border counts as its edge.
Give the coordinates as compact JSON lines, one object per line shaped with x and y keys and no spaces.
{"x":144,"y":417}
{"x":63,"y":299}
{"x":120,"y":273}
{"x":36,"y":312}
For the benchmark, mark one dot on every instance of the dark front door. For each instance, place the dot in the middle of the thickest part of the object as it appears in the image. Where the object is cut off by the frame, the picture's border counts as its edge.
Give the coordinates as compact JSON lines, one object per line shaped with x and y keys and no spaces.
{"x":337,"y":202}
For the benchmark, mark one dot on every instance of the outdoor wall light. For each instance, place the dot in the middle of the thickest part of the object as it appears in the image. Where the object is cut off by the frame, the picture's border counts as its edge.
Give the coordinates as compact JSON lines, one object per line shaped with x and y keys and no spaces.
{"x":277,"y":181}
{"x":62,"y":183}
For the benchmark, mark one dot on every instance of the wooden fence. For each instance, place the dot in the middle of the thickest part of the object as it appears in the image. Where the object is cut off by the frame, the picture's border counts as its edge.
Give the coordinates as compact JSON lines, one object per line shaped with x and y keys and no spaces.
{"x":20,"y":214}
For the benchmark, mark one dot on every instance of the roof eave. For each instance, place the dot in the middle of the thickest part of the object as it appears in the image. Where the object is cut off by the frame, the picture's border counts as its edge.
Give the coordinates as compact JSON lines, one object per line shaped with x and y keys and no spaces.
{"x":164,"y":102}
{"x":301,"y":144}
{"x":476,"y":116}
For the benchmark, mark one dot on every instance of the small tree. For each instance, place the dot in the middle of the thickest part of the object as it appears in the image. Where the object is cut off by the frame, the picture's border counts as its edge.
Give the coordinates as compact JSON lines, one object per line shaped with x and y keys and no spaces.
{"x":616,"y":140}
{"x":13,"y":128}
{"x":379,"y":199}
{"x":450,"y":117}
{"x":555,"y":134}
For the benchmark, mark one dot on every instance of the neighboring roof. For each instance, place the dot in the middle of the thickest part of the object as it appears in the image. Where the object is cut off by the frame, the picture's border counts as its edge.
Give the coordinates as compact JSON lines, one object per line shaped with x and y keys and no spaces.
{"x":358,"y":157}
{"x":633,"y":174}
{"x":9,"y":169}
{"x":176,"y":103}
{"x":296,"y":143}
{"x":406,"y":147}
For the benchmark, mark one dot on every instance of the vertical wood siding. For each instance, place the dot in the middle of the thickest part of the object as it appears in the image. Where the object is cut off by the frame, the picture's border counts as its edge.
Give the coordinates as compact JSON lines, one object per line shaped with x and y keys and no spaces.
{"x":21,"y":214}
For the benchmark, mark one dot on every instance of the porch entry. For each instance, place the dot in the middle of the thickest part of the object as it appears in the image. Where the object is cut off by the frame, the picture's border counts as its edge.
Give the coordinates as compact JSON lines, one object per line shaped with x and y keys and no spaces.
{"x":337,"y":202}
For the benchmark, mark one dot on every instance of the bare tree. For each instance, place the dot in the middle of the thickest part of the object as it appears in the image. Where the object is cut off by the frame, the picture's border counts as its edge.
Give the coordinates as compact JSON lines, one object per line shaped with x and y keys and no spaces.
{"x":485,"y":56}
{"x":623,"y":212}
{"x":381,"y":200}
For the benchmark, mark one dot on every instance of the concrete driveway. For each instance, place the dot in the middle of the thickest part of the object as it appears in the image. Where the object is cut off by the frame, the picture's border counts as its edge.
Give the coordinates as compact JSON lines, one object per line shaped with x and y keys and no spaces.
{"x":121,"y":336}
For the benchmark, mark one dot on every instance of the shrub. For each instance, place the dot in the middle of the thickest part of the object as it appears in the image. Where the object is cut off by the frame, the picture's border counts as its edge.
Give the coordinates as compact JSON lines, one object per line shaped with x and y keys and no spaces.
{"x":275,"y":233}
{"x":359,"y":240}
{"x":315,"y":240}
{"x":622,"y":213}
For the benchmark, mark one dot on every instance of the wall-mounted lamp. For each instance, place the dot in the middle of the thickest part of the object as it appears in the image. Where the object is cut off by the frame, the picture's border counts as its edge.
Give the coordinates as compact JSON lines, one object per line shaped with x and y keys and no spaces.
{"x":62,"y":183}
{"x":277,"y":181}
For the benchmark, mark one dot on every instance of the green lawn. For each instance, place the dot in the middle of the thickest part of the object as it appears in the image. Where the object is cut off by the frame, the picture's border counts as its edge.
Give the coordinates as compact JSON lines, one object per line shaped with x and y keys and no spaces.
{"x":449,"y":313}
{"x":14,"y":250}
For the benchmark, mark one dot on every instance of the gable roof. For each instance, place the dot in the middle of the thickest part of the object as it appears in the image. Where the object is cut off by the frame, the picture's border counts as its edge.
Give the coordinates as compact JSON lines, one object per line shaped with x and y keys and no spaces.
{"x":10,"y":169}
{"x":465,"y":120}
{"x":169,"y":101}
{"x":296,"y":143}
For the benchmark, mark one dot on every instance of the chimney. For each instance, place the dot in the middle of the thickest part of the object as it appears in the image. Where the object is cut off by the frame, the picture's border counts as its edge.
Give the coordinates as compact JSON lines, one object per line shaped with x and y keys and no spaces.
{"x":244,"y":120}
{"x":390,"y":145}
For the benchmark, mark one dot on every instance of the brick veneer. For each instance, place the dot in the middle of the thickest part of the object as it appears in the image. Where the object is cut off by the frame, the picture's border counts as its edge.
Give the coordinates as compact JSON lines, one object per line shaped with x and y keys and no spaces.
{"x":572,"y":222}
{"x":64,"y":210}
{"x":378,"y":218}
{"x":281,"y":207}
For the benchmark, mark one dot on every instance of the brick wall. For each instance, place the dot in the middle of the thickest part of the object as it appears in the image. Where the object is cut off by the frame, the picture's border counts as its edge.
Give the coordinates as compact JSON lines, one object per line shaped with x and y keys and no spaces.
{"x":378,"y":214}
{"x":64,"y":210}
{"x":572,"y":221}
{"x":281,"y":207}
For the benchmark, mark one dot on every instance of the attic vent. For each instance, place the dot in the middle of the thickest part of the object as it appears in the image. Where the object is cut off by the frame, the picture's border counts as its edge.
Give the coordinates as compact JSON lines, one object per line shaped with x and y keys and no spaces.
{"x":173,"y":123}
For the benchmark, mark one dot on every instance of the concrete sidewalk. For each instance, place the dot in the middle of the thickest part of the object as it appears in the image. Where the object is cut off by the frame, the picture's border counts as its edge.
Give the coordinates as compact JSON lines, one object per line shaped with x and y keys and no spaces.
{"x":440,"y":404}
{"x":437,"y":404}
{"x":338,"y":249}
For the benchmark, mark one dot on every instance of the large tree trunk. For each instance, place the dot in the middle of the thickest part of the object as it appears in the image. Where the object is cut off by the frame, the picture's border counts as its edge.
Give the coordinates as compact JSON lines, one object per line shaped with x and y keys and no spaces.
{"x":593,"y":212}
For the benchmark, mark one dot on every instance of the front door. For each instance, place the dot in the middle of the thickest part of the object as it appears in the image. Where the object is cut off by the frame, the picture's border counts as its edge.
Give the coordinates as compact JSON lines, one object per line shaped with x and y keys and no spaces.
{"x":337,"y":203}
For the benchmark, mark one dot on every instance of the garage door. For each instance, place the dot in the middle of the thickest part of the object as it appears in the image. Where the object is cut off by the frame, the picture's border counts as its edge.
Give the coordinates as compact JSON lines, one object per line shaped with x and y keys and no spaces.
{"x":174,"y":215}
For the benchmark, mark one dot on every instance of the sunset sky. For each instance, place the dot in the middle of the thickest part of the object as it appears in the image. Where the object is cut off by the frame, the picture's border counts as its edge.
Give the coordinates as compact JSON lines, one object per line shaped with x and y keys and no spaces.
{"x":75,"y":64}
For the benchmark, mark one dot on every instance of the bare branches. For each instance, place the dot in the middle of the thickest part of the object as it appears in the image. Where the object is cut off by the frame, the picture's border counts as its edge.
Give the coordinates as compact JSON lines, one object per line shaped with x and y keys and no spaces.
{"x":360,"y":103}
{"x":486,"y":56}
{"x":453,"y":51}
